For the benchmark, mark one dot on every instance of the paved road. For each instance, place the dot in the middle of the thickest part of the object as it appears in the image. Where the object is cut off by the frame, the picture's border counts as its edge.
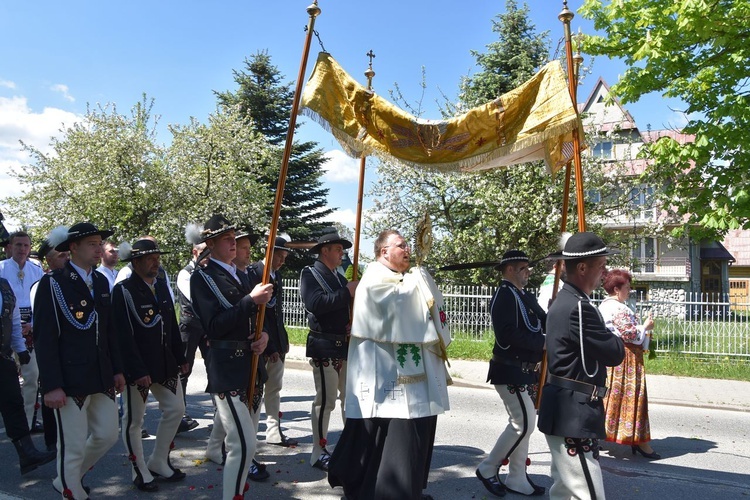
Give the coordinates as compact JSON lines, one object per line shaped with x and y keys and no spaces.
{"x":706,"y":454}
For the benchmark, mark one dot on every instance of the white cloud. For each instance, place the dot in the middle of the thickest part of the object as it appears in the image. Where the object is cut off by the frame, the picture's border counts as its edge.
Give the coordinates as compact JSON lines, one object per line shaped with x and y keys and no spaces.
{"x":340,"y":167}
{"x":18,"y":122}
{"x":346,"y":217}
{"x":7,"y":84}
{"x":63,"y":89}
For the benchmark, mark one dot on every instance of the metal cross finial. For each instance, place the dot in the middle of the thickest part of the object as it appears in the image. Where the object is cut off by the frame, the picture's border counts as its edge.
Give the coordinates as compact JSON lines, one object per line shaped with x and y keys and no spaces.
{"x":370,"y":73}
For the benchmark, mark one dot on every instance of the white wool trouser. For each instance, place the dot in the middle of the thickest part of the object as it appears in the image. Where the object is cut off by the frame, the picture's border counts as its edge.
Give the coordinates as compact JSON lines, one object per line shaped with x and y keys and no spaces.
{"x":575,"y":469}
{"x":330,"y":385}
{"x":236,"y":421}
{"x":172,"y":408}
{"x":272,"y":400}
{"x":513,"y":443}
{"x":84,"y":434}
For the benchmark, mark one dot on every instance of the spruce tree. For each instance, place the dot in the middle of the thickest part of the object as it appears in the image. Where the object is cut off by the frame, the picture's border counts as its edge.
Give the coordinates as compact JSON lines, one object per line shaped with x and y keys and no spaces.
{"x":265,"y":100}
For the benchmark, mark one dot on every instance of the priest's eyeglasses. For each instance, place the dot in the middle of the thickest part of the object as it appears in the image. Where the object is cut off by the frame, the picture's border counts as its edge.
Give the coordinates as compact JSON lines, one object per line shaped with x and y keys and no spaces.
{"x":402,"y":246}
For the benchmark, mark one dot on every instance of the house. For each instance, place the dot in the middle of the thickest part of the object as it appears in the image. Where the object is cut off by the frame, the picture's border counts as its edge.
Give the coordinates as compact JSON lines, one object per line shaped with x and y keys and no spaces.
{"x":664,"y":269}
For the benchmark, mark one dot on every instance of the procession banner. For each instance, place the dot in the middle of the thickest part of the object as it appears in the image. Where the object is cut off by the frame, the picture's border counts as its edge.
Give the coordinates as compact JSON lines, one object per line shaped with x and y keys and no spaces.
{"x":532,"y":122}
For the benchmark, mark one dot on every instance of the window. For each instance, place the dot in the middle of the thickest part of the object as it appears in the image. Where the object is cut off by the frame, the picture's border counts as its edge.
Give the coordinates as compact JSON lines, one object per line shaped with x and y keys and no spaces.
{"x":603,"y":150}
{"x":642,"y":202}
{"x":644,"y":252}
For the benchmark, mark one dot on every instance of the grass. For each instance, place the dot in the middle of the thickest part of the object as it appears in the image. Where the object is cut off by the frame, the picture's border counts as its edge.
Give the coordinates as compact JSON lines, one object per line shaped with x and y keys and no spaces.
{"x":465,"y":346}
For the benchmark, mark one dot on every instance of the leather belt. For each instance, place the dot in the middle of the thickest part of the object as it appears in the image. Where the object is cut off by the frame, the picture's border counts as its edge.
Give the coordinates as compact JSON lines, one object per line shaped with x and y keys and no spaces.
{"x":525,"y":366}
{"x":237,"y":345}
{"x":329,"y":336}
{"x":595,"y":392}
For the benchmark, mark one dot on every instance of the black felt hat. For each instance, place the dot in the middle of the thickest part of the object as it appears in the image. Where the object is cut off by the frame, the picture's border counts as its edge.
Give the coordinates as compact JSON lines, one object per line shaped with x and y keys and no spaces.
{"x":281,"y":243}
{"x":44,"y":249}
{"x":247,"y":232}
{"x":581,"y":246}
{"x":330,"y":238}
{"x":78,"y":232}
{"x":512,"y":256}
{"x":138,"y":249}
{"x":216,"y":226}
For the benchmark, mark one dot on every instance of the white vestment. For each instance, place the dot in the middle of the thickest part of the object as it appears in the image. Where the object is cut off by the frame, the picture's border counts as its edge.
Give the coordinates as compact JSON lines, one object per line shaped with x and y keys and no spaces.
{"x":396,"y":364}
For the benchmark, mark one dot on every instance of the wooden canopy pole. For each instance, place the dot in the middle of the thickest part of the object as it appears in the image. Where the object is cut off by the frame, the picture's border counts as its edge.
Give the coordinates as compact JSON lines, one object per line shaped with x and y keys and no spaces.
{"x":313,"y":11}
{"x":360,"y":191}
{"x":573,"y":64}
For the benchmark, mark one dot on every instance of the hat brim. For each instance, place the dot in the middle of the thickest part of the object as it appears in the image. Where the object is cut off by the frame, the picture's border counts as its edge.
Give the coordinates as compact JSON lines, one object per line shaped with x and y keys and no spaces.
{"x":250,"y":236}
{"x":143,"y":254}
{"x":345,"y":243}
{"x":65,"y":245}
{"x":219,"y":232}
{"x":562,"y":256}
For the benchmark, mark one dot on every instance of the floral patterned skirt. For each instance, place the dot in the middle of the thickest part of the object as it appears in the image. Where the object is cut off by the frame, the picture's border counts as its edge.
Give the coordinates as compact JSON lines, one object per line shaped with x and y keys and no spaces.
{"x":626,"y":403}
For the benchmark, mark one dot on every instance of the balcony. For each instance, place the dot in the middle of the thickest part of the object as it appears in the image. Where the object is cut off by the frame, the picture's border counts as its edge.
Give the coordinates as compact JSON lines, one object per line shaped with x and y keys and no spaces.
{"x":663,"y":267}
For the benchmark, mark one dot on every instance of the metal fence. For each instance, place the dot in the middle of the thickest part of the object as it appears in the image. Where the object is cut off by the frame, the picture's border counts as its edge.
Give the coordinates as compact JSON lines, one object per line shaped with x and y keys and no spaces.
{"x":698,"y":324}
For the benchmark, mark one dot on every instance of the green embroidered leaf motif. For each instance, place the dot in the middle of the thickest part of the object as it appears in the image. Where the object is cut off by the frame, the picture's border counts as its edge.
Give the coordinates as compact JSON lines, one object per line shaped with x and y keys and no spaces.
{"x":401,"y":354}
{"x":415,"y":354}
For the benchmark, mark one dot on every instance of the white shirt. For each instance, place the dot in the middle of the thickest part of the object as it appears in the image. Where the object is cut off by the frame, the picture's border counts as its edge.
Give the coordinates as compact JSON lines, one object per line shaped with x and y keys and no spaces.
{"x":110,"y":274}
{"x":88,"y":277}
{"x":230,"y":268}
{"x":21,"y":286}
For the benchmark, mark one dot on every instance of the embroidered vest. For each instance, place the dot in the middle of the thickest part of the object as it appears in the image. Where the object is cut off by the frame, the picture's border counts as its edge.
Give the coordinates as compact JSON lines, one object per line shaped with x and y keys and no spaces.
{"x":6,"y":315}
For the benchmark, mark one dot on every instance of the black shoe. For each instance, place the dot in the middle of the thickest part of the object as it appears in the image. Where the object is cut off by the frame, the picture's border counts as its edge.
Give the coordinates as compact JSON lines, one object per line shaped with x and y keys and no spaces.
{"x":652,"y":456}
{"x":493,"y":484}
{"x":257,"y":472}
{"x":150,"y":486}
{"x":29,"y":457}
{"x":37,"y":428}
{"x":145,"y":434}
{"x":186,"y":424}
{"x":177,"y":475}
{"x":538,"y":490}
{"x":322,"y":462}
{"x":286,"y":442}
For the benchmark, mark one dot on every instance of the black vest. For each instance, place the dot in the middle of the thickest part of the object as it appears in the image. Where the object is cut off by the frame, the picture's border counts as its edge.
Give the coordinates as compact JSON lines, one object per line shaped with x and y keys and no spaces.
{"x":6,"y":316}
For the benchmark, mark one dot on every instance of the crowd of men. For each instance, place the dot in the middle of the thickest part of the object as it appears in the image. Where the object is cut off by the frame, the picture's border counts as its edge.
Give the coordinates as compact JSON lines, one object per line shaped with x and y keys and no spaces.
{"x":79,"y":332}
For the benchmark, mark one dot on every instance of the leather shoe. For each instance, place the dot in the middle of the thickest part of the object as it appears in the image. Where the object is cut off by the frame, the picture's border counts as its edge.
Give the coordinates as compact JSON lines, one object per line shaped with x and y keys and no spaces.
{"x":538,"y":490}
{"x":257,"y":472}
{"x":186,"y":424}
{"x":150,"y":486}
{"x":286,"y":442}
{"x":651,"y":456}
{"x":493,"y":484}
{"x":322,"y":462}
{"x":177,"y":475}
{"x":37,"y":428}
{"x":145,"y":434}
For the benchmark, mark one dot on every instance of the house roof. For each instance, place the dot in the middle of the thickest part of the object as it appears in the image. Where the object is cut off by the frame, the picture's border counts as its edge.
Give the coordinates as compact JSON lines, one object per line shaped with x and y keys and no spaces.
{"x":738,"y":243}
{"x":715,"y":251}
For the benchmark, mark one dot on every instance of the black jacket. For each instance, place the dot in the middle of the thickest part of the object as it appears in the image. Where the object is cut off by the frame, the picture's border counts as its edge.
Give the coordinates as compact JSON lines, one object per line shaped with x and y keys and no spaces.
{"x":147,"y":328}
{"x":564,"y":412}
{"x":273,"y":320}
{"x":74,"y":334}
{"x":327,"y":306}
{"x":514,"y":341}
{"x":226,"y":313}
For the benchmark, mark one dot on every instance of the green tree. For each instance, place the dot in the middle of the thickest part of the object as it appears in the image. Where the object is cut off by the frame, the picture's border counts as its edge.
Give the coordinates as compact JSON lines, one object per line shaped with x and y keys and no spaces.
{"x":697,"y":51}
{"x":477,"y":217}
{"x":215,"y":168}
{"x":107,"y":169}
{"x":265,"y":102}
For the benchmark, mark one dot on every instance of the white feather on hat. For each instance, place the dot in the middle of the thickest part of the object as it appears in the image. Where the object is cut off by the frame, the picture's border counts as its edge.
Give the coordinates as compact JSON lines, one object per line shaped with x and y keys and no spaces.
{"x":193,"y":233}
{"x":125,"y":249}
{"x":57,"y":236}
{"x":564,"y":239}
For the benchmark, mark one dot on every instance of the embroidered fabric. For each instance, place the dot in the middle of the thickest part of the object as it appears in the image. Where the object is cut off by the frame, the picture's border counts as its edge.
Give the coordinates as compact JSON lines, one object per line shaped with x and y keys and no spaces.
{"x":66,"y":312}
{"x":215,"y":289}
{"x":134,"y":310}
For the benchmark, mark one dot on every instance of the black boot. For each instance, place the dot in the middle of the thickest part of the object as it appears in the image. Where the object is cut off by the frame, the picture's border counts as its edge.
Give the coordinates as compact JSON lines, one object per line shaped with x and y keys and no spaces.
{"x":29,"y":457}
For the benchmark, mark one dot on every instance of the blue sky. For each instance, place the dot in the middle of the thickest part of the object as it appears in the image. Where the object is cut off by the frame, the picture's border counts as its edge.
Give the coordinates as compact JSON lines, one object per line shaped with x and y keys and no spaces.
{"x":57,"y":57}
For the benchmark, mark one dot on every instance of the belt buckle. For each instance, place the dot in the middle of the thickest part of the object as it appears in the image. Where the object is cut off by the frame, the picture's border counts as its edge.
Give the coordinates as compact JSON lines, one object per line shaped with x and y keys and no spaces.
{"x":598,"y":393}
{"x":239,"y":353}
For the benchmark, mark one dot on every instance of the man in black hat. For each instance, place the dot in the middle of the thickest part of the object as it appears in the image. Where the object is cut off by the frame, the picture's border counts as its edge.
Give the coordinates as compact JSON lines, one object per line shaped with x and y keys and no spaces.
{"x":278,"y":342}
{"x":579,"y":347}
{"x":327,"y":297}
{"x":518,"y":323}
{"x":153,"y":357}
{"x":54,"y":260}
{"x":79,"y":358}
{"x":226,"y":305}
